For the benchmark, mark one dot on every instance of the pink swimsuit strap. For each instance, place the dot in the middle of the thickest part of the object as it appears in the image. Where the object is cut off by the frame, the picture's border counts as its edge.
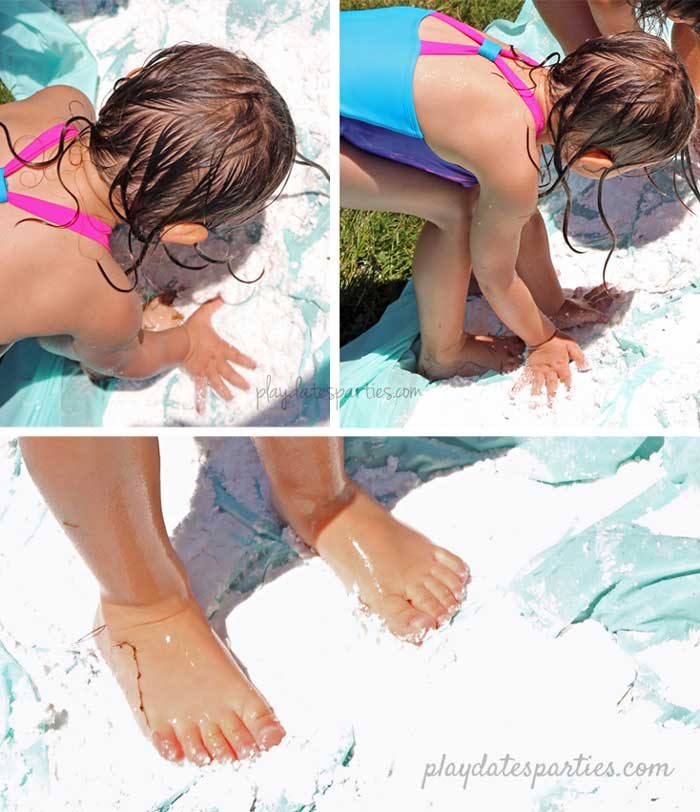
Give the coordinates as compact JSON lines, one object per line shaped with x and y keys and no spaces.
{"x":83,"y":224}
{"x":493,"y":51}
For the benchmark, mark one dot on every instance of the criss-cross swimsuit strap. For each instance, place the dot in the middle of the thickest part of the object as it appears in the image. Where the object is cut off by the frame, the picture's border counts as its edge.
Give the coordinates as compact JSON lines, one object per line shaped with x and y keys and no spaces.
{"x":90,"y":227}
{"x":493,"y":51}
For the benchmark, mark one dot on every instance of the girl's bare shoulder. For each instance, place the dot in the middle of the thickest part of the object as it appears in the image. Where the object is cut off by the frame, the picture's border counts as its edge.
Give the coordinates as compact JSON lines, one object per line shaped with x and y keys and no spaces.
{"x":60,"y":101}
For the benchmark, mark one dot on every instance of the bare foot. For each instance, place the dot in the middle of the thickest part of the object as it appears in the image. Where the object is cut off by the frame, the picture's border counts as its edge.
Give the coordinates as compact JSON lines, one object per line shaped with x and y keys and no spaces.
{"x":586,"y":307}
{"x":474,"y":355}
{"x":182,"y":684}
{"x":412,"y":584}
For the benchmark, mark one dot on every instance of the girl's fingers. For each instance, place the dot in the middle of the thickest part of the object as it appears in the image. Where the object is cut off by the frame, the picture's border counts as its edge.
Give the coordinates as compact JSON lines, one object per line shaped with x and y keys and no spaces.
{"x":239,"y":358}
{"x":552,"y":382}
{"x":212,"y":305}
{"x":537,"y":383}
{"x":217,"y":384}
{"x":577,"y":356}
{"x":522,"y":383}
{"x":200,"y":394}
{"x":564,"y":373}
{"x":228,"y":373}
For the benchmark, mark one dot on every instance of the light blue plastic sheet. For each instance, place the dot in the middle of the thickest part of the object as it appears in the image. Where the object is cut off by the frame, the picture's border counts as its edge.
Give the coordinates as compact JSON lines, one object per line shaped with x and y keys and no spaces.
{"x":38,"y":49}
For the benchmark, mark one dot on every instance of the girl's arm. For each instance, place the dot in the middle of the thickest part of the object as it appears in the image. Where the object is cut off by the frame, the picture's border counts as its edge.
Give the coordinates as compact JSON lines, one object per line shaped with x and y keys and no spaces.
{"x":686,"y":43}
{"x":613,"y":16}
{"x":118,"y":346}
{"x":570,"y":22}
{"x":495,"y":243}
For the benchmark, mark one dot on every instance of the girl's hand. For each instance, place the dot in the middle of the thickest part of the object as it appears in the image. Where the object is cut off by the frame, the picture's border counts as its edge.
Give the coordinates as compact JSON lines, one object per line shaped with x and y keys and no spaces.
{"x":549,"y":364}
{"x":586,"y":307}
{"x":210,"y":357}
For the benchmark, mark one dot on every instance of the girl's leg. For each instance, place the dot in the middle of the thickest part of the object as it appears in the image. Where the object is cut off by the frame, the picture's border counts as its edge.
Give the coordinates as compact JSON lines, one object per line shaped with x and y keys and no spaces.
{"x":570,"y":22}
{"x":184,"y":687}
{"x":441,"y":266}
{"x":398,"y":573}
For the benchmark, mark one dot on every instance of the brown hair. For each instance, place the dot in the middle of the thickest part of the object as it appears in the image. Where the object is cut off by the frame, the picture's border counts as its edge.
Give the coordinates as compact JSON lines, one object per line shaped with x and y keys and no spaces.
{"x":655,"y":12}
{"x":199,"y":134}
{"x":629,"y":96}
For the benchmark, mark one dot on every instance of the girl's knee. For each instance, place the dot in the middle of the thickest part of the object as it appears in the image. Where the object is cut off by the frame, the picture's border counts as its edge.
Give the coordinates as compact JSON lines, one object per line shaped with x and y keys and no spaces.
{"x":458,"y":210}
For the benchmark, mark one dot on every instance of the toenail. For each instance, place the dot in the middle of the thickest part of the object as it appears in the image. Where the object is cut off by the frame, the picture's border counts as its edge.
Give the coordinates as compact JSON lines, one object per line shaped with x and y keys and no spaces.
{"x":269,"y":735}
{"x":418,"y":623}
{"x":169,"y":752}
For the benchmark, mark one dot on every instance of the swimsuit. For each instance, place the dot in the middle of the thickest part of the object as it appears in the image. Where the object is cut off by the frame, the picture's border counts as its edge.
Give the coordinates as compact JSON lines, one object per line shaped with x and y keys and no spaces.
{"x":379,"y":49}
{"x":81,"y":223}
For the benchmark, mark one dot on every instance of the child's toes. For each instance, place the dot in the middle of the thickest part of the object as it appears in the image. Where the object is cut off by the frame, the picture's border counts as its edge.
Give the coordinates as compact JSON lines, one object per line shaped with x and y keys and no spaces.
{"x":191,"y":740}
{"x":216,"y":743}
{"x":238,"y":736}
{"x":261,"y":721}
{"x":424,"y":600}
{"x":445,"y":595}
{"x":453,"y":562}
{"x":167,"y":744}
{"x":405,"y":620}
{"x":455,"y":583}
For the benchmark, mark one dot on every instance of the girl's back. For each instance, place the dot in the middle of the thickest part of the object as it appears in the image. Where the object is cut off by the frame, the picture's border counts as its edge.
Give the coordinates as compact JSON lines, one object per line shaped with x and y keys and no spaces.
{"x":48,"y":275}
{"x":439,"y":87}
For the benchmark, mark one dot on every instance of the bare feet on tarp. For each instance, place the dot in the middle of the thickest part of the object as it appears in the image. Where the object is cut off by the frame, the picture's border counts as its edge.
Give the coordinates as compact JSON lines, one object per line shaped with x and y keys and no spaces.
{"x":410,"y":583}
{"x":184,"y":687}
{"x":474,"y":355}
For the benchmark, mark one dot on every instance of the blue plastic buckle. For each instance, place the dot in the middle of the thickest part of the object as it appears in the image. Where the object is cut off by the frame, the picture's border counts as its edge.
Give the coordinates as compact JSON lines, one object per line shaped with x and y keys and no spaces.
{"x":3,"y":186}
{"x":491,"y":50}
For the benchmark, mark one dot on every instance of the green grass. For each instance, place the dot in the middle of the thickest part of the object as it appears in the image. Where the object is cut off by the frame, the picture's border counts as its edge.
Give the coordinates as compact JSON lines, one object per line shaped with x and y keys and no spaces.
{"x":5,"y":95}
{"x":376,"y":248}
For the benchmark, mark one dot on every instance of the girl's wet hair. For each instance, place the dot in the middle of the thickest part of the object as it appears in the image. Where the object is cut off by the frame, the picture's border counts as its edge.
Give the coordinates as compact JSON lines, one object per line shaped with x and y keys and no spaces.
{"x":652,"y":14}
{"x":627,"y":96}
{"x":199,"y":134}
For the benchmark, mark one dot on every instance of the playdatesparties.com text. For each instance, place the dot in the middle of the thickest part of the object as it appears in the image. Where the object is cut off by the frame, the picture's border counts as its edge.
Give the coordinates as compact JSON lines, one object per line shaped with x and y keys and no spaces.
{"x":507,"y":766}
{"x":306,"y":391}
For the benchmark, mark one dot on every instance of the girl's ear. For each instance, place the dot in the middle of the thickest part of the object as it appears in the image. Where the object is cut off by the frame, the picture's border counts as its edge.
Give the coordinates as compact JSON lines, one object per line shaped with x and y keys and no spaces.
{"x":595,"y":161}
{"x":184,"y":233}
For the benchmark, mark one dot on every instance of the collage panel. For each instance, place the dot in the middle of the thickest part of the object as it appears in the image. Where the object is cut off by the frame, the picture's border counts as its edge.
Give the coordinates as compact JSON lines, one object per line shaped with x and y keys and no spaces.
{"x":518,"y":241}
{"x":387,"y":643}
{"x":168,"y":172}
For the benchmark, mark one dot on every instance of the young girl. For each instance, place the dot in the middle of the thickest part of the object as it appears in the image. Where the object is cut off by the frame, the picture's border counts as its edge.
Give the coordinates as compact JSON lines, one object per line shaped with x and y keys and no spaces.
{"x":196,"y":138}
{"x":453,"y":134}
{"x":574,"y":22}
{"x":184,"y":688}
